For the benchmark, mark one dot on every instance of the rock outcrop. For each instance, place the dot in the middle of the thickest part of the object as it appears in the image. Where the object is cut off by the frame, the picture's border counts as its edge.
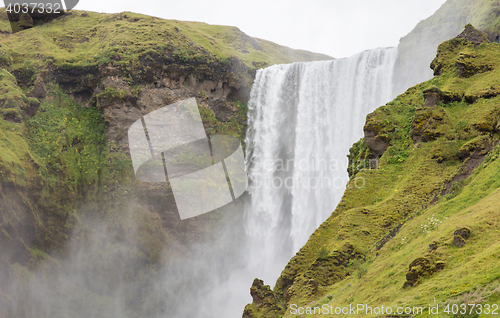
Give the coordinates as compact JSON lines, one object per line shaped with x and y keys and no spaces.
{"x":264,"y":302}
{"x":473,"y":35}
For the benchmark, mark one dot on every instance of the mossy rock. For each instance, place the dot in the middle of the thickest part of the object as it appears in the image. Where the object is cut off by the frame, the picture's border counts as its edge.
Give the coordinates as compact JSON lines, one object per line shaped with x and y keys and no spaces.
{"x":25,"y":22}
{"x":445,"y":150}
{"x":458,"y":241}
{"x":462,"y":51}
{"x":478,"y":146}
{"x":473,"y":35}
{"x":377,"y":131}
{"x":468,"y":65}
{"x":432,"y":96}
{"x":488,"y":121}
{"x":460,"y":236}
{"x":446,"y":51}
{"x":12,"y":114}
{"x":421,"y":268}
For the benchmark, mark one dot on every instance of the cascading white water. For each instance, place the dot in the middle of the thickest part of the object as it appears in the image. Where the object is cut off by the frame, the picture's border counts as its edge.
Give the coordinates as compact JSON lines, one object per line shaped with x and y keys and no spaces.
{"x":303,"y":118}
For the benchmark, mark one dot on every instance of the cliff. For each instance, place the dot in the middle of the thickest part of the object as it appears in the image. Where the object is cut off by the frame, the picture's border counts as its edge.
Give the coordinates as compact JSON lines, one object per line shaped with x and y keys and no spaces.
{"x":70,"y":87}
{"x":422,"y":229}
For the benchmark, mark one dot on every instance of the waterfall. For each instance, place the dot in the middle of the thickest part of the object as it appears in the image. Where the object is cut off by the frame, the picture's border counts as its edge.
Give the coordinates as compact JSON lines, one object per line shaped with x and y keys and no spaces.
{"x":303,"y":118}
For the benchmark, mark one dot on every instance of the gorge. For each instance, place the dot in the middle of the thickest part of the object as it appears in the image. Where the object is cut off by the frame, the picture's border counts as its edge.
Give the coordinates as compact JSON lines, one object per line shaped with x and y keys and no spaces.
{"x":81,"y":237}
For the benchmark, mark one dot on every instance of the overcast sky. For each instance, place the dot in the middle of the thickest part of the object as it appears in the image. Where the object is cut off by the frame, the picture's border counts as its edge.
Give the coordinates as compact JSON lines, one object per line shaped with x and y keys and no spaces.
{"x":338,"y":28}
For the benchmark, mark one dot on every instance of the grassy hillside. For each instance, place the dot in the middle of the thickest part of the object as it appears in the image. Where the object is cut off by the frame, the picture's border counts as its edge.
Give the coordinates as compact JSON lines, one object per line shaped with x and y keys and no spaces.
{"x":423,"y":229}
{"x":87,"y":37}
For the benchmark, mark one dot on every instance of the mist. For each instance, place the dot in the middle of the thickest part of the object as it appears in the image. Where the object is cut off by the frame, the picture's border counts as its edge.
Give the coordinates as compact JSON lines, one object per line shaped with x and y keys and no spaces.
{"x":106,"y":272}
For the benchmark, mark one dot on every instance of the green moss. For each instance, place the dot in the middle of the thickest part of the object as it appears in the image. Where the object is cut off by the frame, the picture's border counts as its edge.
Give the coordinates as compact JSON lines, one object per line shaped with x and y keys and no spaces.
{"x":360,"y":158}
{"x":70,"y":148}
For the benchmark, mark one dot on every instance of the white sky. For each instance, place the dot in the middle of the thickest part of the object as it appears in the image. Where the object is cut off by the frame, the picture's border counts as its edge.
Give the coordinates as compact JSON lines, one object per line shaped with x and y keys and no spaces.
{"x":338,"y":28}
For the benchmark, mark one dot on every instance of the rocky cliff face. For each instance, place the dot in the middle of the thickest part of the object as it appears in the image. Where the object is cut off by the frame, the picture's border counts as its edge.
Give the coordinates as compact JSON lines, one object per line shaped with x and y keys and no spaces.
{"x":70,"y":87}
{"x":424,"y":214}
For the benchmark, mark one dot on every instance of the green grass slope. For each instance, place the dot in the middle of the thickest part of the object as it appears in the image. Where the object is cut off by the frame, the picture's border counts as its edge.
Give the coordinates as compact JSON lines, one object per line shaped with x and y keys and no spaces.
{"x":422,"y":228}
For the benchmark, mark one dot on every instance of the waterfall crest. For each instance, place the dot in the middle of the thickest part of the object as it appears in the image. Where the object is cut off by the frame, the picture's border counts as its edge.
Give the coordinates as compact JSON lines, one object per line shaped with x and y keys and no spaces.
{"x":303,"y":118}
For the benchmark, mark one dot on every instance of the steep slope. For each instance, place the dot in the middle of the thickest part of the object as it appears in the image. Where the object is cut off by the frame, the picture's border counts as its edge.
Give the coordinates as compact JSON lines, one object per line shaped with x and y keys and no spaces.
{"x":66,"y":180}
{"x":418,"y":48}
{"x":420,"y":229}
